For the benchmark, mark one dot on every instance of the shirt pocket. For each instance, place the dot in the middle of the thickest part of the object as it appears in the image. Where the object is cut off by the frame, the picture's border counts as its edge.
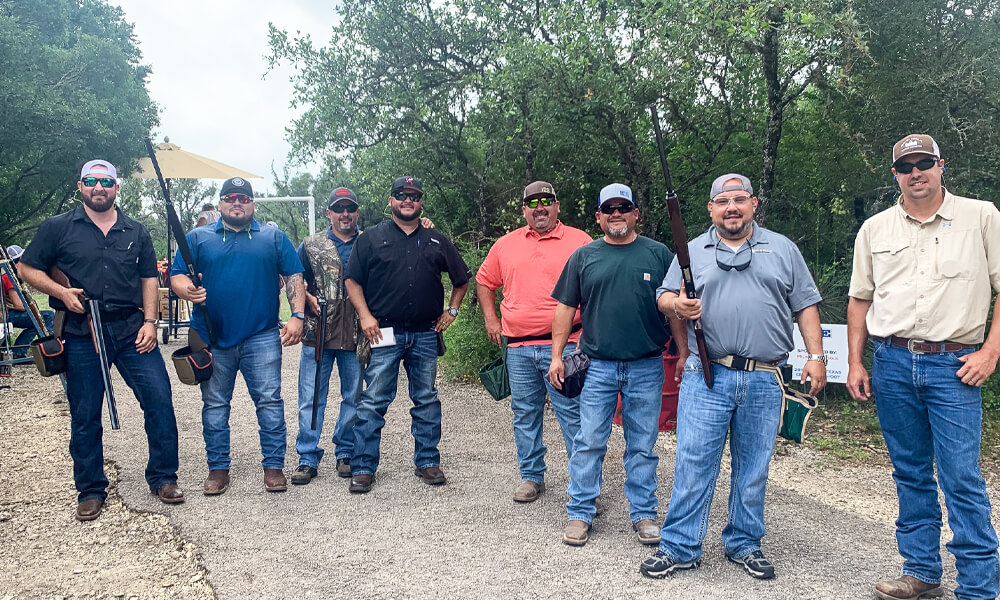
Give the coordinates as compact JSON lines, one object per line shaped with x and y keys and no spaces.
{"x":958,"y":254}
{"x":891,"y":259}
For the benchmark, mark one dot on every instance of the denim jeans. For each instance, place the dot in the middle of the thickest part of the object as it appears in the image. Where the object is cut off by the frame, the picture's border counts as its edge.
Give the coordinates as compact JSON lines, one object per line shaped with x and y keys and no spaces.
{"x":746,"y":406}
{"x":258,"y":358}
{"x":418,"y":352}
{"x":928,"y":414}
{"x":21,"y":319}
{"x":307,"y":440}
{"x":528,"y":368}
{"x":146,"y":375}
{"x":640,"y":383}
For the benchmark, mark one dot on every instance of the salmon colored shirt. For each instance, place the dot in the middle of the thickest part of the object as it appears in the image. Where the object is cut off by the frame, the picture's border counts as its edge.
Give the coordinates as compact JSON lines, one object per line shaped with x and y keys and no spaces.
{"x":527,"y":267}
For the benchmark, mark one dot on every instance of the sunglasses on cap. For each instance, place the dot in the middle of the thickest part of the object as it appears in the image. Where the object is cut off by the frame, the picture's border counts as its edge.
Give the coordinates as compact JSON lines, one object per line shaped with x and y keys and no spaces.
{"x":234,"y":198}
{"x":344,"y":208}
{"x":923,"y":165}
{"x":413,"y":197}
{"x":609,"y":209}
{"x":106,"y":182}
{"x":544,"y":201}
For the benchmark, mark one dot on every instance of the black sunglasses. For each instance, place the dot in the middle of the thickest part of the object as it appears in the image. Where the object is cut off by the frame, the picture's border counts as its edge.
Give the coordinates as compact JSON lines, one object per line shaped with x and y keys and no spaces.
{"x":401,"y":197}
{"x":241,"y":198}
{"x":106,"y":182}
{"x":907,"y":168}
{"x":344,"y":208}
{"x":545,"y":201}
{"x":609,"y":209}
{"x":729,"y":261}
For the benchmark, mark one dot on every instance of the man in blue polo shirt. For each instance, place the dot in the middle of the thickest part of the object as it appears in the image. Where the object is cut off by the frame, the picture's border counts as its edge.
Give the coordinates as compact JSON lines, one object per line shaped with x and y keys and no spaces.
{"x":750,"y":281}
{"x":240,"y":263}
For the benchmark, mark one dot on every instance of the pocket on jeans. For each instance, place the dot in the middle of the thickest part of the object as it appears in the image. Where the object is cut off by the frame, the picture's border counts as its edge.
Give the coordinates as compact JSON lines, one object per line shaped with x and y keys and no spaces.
{"x":693,"y":364}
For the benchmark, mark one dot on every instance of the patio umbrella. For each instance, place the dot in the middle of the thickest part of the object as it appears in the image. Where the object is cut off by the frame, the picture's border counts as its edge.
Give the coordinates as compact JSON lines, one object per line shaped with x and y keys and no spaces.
{"x":181,"y":164}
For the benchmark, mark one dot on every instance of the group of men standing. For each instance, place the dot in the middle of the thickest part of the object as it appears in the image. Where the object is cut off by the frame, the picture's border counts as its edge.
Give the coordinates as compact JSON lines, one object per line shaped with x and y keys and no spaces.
{"x":924,"y":273}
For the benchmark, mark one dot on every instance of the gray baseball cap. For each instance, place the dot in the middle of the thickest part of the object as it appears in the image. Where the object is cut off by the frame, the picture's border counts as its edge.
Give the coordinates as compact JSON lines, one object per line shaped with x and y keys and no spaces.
{"x":613,"y":191}
{"x":719,"y":185}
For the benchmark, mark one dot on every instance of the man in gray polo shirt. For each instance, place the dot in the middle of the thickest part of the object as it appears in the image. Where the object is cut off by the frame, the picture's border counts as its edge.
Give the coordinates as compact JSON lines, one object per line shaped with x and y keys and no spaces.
{"x":750,"y":281}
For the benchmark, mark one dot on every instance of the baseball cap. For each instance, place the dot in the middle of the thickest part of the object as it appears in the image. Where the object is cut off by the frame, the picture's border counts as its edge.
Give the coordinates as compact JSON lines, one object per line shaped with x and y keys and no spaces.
{"x":406,"y":184}
{"x":342,"y":193}
{"x":15,"y":252}
{"x":915,"y":143}
{"x":539,"y":189}
{"x":719,"y":185}
{"x":613,"y":191}
{"x":236,"y":185}
{"x":89,"y":168}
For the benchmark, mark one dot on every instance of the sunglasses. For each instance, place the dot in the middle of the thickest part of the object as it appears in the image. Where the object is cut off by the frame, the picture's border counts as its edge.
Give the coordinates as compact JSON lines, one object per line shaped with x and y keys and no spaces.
{"x":923,"y":165}
{"x":410,"y":197}
{"x":545,"y":201}
{"x":738,"y":201}
{"x":727,"y":261}
{"x":234,"y":198}
{"x":609,"y":209}
{"x":106,"y":182}
{"x":344,"y":208}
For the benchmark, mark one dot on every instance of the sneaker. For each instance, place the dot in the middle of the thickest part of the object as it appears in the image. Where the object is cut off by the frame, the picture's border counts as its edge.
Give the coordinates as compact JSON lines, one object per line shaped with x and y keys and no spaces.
{"x":755,"y":565}
{"x":303,"y":474}
{"x":343,"y":467}
{"x":660,"y":565}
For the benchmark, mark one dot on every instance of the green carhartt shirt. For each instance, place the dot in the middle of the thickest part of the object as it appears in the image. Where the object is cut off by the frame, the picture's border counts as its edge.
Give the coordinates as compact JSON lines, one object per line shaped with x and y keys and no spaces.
{"x":615,"y":288}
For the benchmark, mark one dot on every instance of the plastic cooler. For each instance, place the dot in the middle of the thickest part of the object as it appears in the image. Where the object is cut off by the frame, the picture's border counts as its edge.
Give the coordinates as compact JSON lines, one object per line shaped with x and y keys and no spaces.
{"x":668,"y":406}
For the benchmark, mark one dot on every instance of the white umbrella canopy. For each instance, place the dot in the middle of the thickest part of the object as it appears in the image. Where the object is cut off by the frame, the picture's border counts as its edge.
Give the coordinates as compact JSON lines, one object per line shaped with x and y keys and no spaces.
{"x":181,"y":164}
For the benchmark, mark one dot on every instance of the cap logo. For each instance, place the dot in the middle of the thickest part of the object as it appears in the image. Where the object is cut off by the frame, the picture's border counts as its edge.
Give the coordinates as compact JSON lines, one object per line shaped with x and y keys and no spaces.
{"x":911,"y":143}
{"x":625,"y":194}
{"x":408,"y":179}
{"x":238,"y":181}
{"x":546,"y":189}
{"x":343,"y":192}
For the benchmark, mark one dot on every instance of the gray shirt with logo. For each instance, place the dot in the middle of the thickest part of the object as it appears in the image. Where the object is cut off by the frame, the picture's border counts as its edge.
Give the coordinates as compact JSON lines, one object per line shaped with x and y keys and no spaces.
{"x":747,"y":313}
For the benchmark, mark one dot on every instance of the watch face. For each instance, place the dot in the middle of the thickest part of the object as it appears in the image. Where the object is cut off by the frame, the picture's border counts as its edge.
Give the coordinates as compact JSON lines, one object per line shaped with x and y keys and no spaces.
{"x":453,"y":311}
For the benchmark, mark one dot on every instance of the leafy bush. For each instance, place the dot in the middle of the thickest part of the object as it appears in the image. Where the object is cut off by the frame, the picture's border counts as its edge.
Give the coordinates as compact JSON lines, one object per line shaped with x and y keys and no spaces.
{"x":469,"y":348}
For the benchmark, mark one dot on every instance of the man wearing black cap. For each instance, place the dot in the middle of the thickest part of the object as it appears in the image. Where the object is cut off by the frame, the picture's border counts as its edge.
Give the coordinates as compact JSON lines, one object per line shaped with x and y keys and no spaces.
{"x":324,"y":257}
{"x":107,"y":256}
{"x":925,"y":271}
{"x":394,"y":282}
{"x":240,"y":262}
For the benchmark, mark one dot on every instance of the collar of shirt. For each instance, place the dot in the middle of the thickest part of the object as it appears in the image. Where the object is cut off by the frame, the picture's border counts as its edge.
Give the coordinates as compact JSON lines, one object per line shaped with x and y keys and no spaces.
{"x":336,"y":240}
{"x":219,"y":226}
{"x":757,"y":237}
{"x":80,"y":214}
{"x":946,"y":211}
{"x":557,"y":232}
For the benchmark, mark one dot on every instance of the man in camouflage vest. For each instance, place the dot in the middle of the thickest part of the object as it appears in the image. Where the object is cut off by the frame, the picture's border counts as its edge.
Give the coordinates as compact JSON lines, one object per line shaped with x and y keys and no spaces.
{"x":324,"y":257}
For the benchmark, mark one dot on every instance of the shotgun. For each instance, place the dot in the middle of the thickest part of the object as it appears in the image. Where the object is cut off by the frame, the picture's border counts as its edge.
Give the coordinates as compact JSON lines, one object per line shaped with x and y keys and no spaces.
{"x":97,"y":333}
{"x":182,"y":244}
{"x":320,"y":342}
{"x":681,"y":248}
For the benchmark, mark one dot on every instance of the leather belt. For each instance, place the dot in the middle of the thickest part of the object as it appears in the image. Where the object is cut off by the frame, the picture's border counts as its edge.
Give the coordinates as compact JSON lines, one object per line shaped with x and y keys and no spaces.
{"x":514,"y":339}
{"x":925,"y":347}
{"x":742,"y":363}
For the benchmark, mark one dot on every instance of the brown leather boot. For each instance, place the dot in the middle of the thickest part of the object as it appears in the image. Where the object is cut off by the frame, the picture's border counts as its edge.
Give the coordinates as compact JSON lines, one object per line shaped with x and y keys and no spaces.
{"x":648,"y":531}
{"x":528,"y":491}
{"x":217,"y":482}
{"x":170,"y":493}
{"x":89,"y":509}
{"x":360,"y":484}
{"x":907,"y":587}
{"x":577,"y":533}
{"x":274,"y":480}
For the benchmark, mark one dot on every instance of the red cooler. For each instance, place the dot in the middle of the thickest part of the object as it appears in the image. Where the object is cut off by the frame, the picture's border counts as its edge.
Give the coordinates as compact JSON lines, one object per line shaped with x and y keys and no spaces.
{"x":668,"y":406}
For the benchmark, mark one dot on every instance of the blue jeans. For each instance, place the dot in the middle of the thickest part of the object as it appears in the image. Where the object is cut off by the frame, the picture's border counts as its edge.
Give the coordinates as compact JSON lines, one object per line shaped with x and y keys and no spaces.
{"x":640,"y":383}
{"x":528,"y":368}
{"x":747,"y":407}
{"x":307,"y":440}
{"x":418,"y":352}
{"x":21,"y":319}
{"x":928,"y":414}
{"x":258,"y":358}
{"x":146,"y":375}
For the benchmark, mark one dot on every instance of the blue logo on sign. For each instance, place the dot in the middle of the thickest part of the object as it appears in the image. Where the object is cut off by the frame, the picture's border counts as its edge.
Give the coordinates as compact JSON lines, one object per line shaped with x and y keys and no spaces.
{"x":827,"y":333}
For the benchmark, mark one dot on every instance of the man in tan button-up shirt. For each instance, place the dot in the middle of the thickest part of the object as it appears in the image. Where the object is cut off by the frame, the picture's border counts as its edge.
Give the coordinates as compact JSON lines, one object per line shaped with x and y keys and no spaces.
{"x":924,"y":274}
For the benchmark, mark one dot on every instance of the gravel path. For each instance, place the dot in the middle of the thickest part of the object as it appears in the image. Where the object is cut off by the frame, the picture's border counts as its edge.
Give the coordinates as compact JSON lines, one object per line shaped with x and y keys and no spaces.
{"x":830,"y":527}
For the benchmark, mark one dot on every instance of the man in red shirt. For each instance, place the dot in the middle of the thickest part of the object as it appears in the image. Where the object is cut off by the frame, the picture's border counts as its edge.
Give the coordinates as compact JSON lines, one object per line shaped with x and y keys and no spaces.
{"x":526,"y":263}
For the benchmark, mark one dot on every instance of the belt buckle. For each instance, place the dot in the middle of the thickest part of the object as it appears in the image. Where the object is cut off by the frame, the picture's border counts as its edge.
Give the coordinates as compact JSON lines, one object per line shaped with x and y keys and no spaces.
{"x":909,"y":346}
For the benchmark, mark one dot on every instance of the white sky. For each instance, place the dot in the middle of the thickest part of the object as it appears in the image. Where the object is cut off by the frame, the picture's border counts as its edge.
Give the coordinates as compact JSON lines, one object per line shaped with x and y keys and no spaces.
{"x":208,"y":62}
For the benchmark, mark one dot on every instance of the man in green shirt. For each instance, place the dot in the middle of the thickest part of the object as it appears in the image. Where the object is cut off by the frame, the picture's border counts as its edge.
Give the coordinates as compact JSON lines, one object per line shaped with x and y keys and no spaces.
{"x":613,"y":282}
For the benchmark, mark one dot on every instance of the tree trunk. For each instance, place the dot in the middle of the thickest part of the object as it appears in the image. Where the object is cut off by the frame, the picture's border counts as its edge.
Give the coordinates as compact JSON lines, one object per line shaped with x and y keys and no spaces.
{"x":770,"y":49}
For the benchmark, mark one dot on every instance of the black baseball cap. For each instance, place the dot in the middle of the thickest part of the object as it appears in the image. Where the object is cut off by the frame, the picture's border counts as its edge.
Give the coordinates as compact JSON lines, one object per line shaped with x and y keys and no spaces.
{"x":236,"y":185}
{"x":342,"y":193}
{"x":407,"y":184}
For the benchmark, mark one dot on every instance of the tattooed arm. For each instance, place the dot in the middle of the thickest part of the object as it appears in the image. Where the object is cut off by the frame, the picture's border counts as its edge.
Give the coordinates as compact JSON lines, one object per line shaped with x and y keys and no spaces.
{"x":295,"y":290}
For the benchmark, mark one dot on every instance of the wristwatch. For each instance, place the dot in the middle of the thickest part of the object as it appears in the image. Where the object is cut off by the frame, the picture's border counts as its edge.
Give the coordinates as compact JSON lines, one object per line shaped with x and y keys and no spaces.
{"x":453,"y":311}
{"x":299,"y":315}
{"x":817,"y":357}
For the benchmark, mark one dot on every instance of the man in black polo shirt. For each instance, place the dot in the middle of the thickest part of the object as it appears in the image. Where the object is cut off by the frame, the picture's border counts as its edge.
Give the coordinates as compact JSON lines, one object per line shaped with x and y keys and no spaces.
{"x":107,"y":256}
{"x":394,"y":281}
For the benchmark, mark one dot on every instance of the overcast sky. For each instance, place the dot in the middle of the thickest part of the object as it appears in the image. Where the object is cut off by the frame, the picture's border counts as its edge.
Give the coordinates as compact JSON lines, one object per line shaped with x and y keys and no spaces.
{"x":208,"y":60}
